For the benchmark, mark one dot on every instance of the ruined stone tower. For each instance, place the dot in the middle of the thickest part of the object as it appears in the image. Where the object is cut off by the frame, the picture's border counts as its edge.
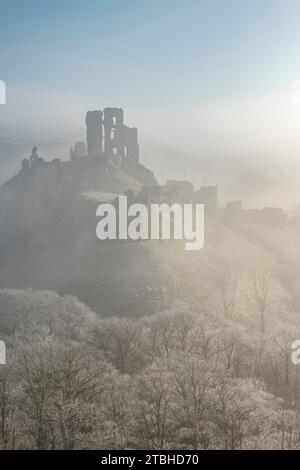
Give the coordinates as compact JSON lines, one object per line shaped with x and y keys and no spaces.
{"x":94,"y":133}
{"x":207,"y":195}
{"x":120,"y":141}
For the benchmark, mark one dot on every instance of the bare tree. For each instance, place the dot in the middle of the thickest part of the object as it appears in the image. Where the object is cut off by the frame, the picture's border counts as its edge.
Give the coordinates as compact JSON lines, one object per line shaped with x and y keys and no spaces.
{"x":155,"y":427}
{"x":226,"y":278}
{"x":76,"y":390}
{"x":34,"y":377}
{"x":262,"y":296}
{"x":119,"y":340}
{"x":7,"y":411}
{"x":191,"y":384}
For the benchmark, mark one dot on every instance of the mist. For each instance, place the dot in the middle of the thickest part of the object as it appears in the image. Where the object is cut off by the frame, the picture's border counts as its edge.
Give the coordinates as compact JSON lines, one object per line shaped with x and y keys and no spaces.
{"x":249,"y":148}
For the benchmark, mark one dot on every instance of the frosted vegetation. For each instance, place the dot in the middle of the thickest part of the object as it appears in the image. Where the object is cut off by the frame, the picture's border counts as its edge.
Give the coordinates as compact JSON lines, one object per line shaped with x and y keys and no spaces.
{"x":215,"y":374}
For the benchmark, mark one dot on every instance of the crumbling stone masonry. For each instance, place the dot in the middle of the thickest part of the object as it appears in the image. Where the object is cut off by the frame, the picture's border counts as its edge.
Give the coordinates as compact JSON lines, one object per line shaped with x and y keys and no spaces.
{"x":120,"y":141}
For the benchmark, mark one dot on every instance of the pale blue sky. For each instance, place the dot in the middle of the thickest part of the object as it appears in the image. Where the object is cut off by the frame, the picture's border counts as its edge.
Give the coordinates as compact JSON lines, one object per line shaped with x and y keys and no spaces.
{"x":157,"y":52}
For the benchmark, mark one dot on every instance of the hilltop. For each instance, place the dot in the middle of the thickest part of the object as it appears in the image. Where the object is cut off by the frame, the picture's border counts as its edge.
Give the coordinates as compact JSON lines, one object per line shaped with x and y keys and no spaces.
{"x":48,"y":236}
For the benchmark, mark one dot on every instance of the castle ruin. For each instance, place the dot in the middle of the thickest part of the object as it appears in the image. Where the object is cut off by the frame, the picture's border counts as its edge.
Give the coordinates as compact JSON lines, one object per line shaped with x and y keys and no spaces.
{"x":108,"y":136}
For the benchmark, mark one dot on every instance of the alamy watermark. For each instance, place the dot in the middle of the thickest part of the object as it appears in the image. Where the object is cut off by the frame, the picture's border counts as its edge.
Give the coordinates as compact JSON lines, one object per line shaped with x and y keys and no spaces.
{"x":2,"y":92}
{"x":295,"y":354}
{"x":2,"y":353}
{"x":152,"y":222}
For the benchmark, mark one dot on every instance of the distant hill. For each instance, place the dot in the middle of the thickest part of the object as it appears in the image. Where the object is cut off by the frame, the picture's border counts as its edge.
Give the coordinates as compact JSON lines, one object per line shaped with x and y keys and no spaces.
{"x":48,"y":240}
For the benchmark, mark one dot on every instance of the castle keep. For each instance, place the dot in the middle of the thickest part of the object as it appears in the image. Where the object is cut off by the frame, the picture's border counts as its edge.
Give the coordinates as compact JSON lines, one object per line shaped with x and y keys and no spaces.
{"x":108,"y":161}
{"x":109,"y":138}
